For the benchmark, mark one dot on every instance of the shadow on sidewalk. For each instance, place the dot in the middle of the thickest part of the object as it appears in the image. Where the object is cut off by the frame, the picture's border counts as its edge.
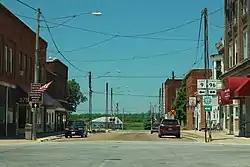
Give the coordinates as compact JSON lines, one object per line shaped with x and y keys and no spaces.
{"x":39,"y":135}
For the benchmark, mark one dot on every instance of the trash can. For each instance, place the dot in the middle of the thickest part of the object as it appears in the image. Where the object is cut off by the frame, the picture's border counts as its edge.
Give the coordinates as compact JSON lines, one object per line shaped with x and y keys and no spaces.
{"x":28,"y":131}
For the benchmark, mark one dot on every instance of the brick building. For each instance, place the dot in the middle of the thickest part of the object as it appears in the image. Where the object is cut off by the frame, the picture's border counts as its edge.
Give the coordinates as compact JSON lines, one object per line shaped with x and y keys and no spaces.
{"x":237,"y":65}
{"x":191,"y":91}
{"x":171,"y":86}
{"x":58,"y":73}
{"x":17,"y":50}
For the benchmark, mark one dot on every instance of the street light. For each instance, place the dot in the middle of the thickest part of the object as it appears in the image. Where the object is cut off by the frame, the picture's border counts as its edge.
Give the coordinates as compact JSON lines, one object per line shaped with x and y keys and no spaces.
{"x":96,"y":13}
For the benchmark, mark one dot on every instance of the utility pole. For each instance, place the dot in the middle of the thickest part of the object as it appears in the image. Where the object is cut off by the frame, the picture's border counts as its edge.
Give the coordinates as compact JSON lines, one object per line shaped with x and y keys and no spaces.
{"x":111,"y":106}
{"x":36,"y":73}
{"x":123,"y":118}
{"x":107,"y":104}
{"x":151,"y":115}
{"x":206,"y":61}
{"x":90,"y":100}
{"x":111,"y":101}
{"x":162,"y":102}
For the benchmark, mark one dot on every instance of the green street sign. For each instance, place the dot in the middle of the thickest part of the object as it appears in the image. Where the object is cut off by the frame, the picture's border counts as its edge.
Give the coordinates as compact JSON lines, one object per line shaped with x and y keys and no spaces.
{"x":207,"y":108}
{"x":207,"y":100}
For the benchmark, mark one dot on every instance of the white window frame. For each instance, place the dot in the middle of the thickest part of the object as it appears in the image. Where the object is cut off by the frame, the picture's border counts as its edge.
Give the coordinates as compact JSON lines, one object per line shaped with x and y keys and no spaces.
{"x":6,"y":58}
{"x":10,"y":60}
{"x":245,"y":42}
{"x":235,"y":62}
{"x":230,"y":55}
{"x":24,"y":62}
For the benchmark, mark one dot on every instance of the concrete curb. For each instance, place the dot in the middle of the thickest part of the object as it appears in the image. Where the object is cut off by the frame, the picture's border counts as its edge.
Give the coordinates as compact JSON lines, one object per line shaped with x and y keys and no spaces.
{"x":50,"y":138}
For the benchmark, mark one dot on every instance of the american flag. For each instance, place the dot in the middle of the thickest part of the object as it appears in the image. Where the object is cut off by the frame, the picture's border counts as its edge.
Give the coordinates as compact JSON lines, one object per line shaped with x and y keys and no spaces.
{"x":45,"y":87}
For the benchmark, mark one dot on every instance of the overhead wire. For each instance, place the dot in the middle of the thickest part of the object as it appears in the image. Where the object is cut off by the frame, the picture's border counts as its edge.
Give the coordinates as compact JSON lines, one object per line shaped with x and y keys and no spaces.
{"x":126,"y":94}
{"x":135,"y":57}
{"x":55,"y":45}
{"x":198,"y":44}
{"x":27,"y":5}
{"x":125,"y":77}
{"x":129,"y":36}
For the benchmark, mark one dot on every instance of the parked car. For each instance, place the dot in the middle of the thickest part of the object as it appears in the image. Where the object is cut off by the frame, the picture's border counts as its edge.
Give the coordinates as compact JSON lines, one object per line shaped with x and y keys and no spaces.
{"x":155,"y":128}
{"x":76,"y":128}
{"x":169,"y":127}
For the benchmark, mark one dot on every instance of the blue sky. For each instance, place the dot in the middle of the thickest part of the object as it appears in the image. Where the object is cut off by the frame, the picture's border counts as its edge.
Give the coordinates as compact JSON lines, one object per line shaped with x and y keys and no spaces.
{"x":125,"y":17}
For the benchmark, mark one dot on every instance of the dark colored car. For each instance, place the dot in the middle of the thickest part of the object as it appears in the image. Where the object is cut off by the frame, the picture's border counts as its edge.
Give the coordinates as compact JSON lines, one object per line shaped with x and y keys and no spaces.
{"x":76,"y":128}
{"x":169,"y":127}
{"x":155,"y":128}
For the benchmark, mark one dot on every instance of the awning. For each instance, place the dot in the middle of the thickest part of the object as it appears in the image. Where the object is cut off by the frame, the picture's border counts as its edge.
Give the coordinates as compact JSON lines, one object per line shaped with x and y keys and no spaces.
{"x":232,"y":84}
{"x":243,"y":90}
{"x":48,"y":101}
{"x":222,"y":100}
{"x":67,"y":105}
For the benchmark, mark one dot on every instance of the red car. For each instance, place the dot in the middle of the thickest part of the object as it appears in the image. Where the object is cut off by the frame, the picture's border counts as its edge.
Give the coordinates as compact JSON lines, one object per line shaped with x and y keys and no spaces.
{"x":169,"y":127}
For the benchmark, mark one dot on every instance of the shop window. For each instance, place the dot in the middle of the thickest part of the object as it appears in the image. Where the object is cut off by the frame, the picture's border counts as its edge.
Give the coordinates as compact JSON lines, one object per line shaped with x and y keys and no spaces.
{"x":2,"y":114}
{"x":10,"y":116}
{"x":236,"y":112}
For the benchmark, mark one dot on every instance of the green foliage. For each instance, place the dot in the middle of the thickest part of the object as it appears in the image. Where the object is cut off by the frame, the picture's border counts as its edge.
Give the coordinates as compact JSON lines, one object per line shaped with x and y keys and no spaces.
{"x":131,"y":121}
{"x":180,"y":103}
{"x":75,"y":96}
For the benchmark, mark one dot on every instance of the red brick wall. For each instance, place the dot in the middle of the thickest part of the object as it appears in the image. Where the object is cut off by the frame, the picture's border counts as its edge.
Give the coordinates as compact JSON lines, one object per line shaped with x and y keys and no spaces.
{"x":191,"y":89}
{"x":21,"y":39}
{"x":58,"y":89}
{"x":170,"y":92}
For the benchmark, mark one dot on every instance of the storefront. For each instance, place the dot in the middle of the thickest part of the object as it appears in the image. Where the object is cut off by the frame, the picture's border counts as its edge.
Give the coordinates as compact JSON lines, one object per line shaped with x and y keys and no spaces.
{"x":237,"y":95}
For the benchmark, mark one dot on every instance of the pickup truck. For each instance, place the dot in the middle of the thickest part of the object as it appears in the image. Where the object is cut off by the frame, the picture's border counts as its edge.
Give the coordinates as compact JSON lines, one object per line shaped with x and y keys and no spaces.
{"x":169,"y":127}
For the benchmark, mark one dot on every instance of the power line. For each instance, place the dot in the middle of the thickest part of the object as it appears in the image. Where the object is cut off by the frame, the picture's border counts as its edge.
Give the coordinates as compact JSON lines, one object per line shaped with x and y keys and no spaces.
{"x":197,"y":47}
{"x":129,"y":36}
{"x":126,"y":94}
{"x":122,"y":94}
{"x":134,"y":58}
{"x":55,"y":45}
{"x":113,"y":35}
{"x":128,"y":77}
{"x":27,"y":5}
{"x":87,"y":47}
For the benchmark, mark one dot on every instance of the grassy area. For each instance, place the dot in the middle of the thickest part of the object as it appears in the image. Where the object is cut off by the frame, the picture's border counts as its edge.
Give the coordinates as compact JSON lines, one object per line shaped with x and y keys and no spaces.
{"x":133,"y":126}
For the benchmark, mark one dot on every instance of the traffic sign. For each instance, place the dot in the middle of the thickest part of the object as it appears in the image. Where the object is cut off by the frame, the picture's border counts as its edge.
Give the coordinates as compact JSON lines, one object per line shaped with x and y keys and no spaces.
{"x":212,"y":92}
{"x":206,"y":87}
{"x":35,"y":105}
{"x":212,"y":84}
{"x":201,"y":92}
{"x":35,"y":97}
{"x":207,"y":108}
{"x":207,"y":100}
{"x":201,"y":84}
{"x":35,"y":87}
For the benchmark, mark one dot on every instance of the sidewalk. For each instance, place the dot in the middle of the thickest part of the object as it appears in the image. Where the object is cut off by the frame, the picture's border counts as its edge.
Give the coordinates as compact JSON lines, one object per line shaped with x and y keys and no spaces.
{"x":219,"y":137}
{"x":42,"y":137}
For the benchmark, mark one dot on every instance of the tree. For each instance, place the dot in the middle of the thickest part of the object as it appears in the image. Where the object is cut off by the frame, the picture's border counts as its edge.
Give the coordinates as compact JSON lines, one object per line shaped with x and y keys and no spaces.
{"x":75,"y":96}
{"x":180,"y":103}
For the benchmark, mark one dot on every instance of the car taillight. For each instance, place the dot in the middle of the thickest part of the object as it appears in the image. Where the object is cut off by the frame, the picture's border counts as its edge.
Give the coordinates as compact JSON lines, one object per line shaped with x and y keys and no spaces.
{"x":66,"y":128}
{"x":79,"y":128}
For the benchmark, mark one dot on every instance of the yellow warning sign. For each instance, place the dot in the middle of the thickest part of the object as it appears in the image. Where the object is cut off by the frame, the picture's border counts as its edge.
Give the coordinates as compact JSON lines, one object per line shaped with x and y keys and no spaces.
{"x":172,"y":112}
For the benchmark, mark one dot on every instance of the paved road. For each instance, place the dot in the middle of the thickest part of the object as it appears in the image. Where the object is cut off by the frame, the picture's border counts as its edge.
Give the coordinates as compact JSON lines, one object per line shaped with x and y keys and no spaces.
{"x":123,"y":154}
{"x":125,"y":136}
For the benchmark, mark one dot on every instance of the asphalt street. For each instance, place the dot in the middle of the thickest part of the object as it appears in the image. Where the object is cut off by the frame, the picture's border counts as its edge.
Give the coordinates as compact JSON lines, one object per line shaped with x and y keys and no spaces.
{"x":125,"y":136}
{"x":124,"y":154}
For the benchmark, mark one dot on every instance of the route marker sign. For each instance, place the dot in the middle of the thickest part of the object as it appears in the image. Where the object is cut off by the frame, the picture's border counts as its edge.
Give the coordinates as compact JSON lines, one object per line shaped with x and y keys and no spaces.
{"x":207,"y":103}
{"x":206,"y":87}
